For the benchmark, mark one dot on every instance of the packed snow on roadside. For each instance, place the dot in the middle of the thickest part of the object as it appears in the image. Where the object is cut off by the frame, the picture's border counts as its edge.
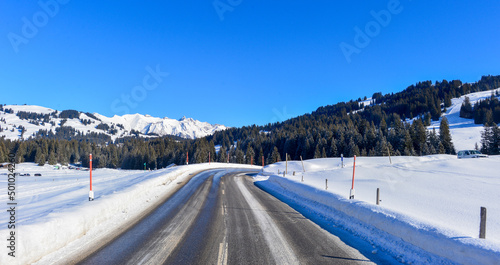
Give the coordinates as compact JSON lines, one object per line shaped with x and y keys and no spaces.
{"x":429,"y":210}
{"x":54,"y":217}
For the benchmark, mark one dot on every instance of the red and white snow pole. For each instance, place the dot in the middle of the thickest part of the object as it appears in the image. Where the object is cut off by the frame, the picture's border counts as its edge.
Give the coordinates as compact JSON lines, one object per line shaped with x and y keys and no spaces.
{"x":91,"y":193}
{"x":187,"y":158}
{"x":351,"y":194}
{"x":262,"y":161}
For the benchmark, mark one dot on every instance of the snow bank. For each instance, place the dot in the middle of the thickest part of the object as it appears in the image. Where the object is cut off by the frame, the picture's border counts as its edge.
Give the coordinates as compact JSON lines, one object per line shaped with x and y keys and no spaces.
{"x":54,"y":211}
{"x":429,"y":211}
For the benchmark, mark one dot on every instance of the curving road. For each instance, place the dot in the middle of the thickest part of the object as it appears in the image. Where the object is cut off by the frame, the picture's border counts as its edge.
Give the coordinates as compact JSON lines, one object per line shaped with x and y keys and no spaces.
{"x":221,"y":217}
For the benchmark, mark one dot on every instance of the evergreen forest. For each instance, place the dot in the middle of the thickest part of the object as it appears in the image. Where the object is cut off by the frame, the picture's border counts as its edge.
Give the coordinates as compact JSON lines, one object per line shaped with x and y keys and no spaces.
{"x":345,"y":128}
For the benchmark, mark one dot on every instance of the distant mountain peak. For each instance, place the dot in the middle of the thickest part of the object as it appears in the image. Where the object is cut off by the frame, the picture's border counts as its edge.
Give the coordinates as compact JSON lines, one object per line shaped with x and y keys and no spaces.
{"x":25,"y":121}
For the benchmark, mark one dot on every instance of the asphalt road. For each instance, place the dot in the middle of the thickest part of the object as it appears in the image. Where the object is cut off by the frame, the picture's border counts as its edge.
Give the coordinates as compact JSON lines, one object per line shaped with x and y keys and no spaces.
{"x":223,"y":218}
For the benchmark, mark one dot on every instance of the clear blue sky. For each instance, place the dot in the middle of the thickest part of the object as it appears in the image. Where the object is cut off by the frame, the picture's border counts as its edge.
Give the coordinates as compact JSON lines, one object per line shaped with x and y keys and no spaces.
{"x":242,"y":63}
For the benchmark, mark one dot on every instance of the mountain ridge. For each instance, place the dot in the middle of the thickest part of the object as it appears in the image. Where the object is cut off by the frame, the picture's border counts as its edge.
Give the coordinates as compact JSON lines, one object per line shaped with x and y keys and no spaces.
{"x":25,"y":121}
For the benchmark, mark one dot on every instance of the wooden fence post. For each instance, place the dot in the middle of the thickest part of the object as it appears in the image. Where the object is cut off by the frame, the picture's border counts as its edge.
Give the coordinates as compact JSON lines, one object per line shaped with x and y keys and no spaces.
{"x":482,"y":225}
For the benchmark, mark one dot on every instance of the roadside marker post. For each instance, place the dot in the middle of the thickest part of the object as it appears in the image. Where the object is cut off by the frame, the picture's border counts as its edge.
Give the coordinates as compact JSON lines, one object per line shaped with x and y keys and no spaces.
{"x":342,"y":160}
{"x":351,"y":194}
{"x":187,"y":158}
{"x":91,"y":193}
{"x":286,"y":163}
{"x":389,"y":153}
{"x":482,"y":225}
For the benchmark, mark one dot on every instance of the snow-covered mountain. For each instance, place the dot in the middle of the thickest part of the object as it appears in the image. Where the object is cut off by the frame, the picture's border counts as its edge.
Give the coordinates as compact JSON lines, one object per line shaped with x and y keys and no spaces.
{"x":25,"y":121}
{"x":464,"y":133}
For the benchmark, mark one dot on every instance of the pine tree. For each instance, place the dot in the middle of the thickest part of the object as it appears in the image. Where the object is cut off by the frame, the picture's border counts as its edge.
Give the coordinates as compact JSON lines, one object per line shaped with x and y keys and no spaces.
{"x":363,"y":152}
{"x":441,"y":148}
{"x":427,"y":119}
{"x":2,"y":155}
{"x":445,"y":137}
{"x":353,"y":149}
{"x":435,"y":112}
{"x":113,"y":161}
{"x":317,"y":152}
{"x":433,"y":141}
{"x":261,"y":154}
{"x":333,"y":148}
{"x":275,"y":156}
{"x":40,"y":157}
{"x":21,"y":151}
{"x":488,"y":117}
{"x":250,"y":154}
{"x":151,"y":158}
{"x":381,"y":147}
{"x":495,"y":141}
{"x":408,"y":145}
{"x":490,"y":140}
{"x":419,"y":136}
{"x":425,"y":149}
{"x":240,"y":156}
{"x":222,"y":156}
{"x":3,"y":152}
{"x":466,"y":109}
{"x":447,"y":101}
{"x":383,"y":127}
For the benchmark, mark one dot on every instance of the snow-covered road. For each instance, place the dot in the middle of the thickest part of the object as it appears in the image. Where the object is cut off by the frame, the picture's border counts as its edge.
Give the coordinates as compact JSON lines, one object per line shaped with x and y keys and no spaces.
{"x":220,"y":217}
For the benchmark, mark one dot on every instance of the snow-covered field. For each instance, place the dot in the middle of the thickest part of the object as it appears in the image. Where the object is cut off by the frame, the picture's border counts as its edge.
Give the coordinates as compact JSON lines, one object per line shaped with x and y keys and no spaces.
{"x":54,"y":217}
{"x":431,"y":202}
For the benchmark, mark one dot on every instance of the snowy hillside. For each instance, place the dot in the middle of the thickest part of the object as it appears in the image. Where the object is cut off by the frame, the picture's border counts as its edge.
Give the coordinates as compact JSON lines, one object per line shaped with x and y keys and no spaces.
{"x":464,"y":132}
{"x":35,"y":118}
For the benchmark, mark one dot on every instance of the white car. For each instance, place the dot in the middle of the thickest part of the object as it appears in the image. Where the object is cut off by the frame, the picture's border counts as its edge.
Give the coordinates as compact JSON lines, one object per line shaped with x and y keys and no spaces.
{"x":470,"y":154}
